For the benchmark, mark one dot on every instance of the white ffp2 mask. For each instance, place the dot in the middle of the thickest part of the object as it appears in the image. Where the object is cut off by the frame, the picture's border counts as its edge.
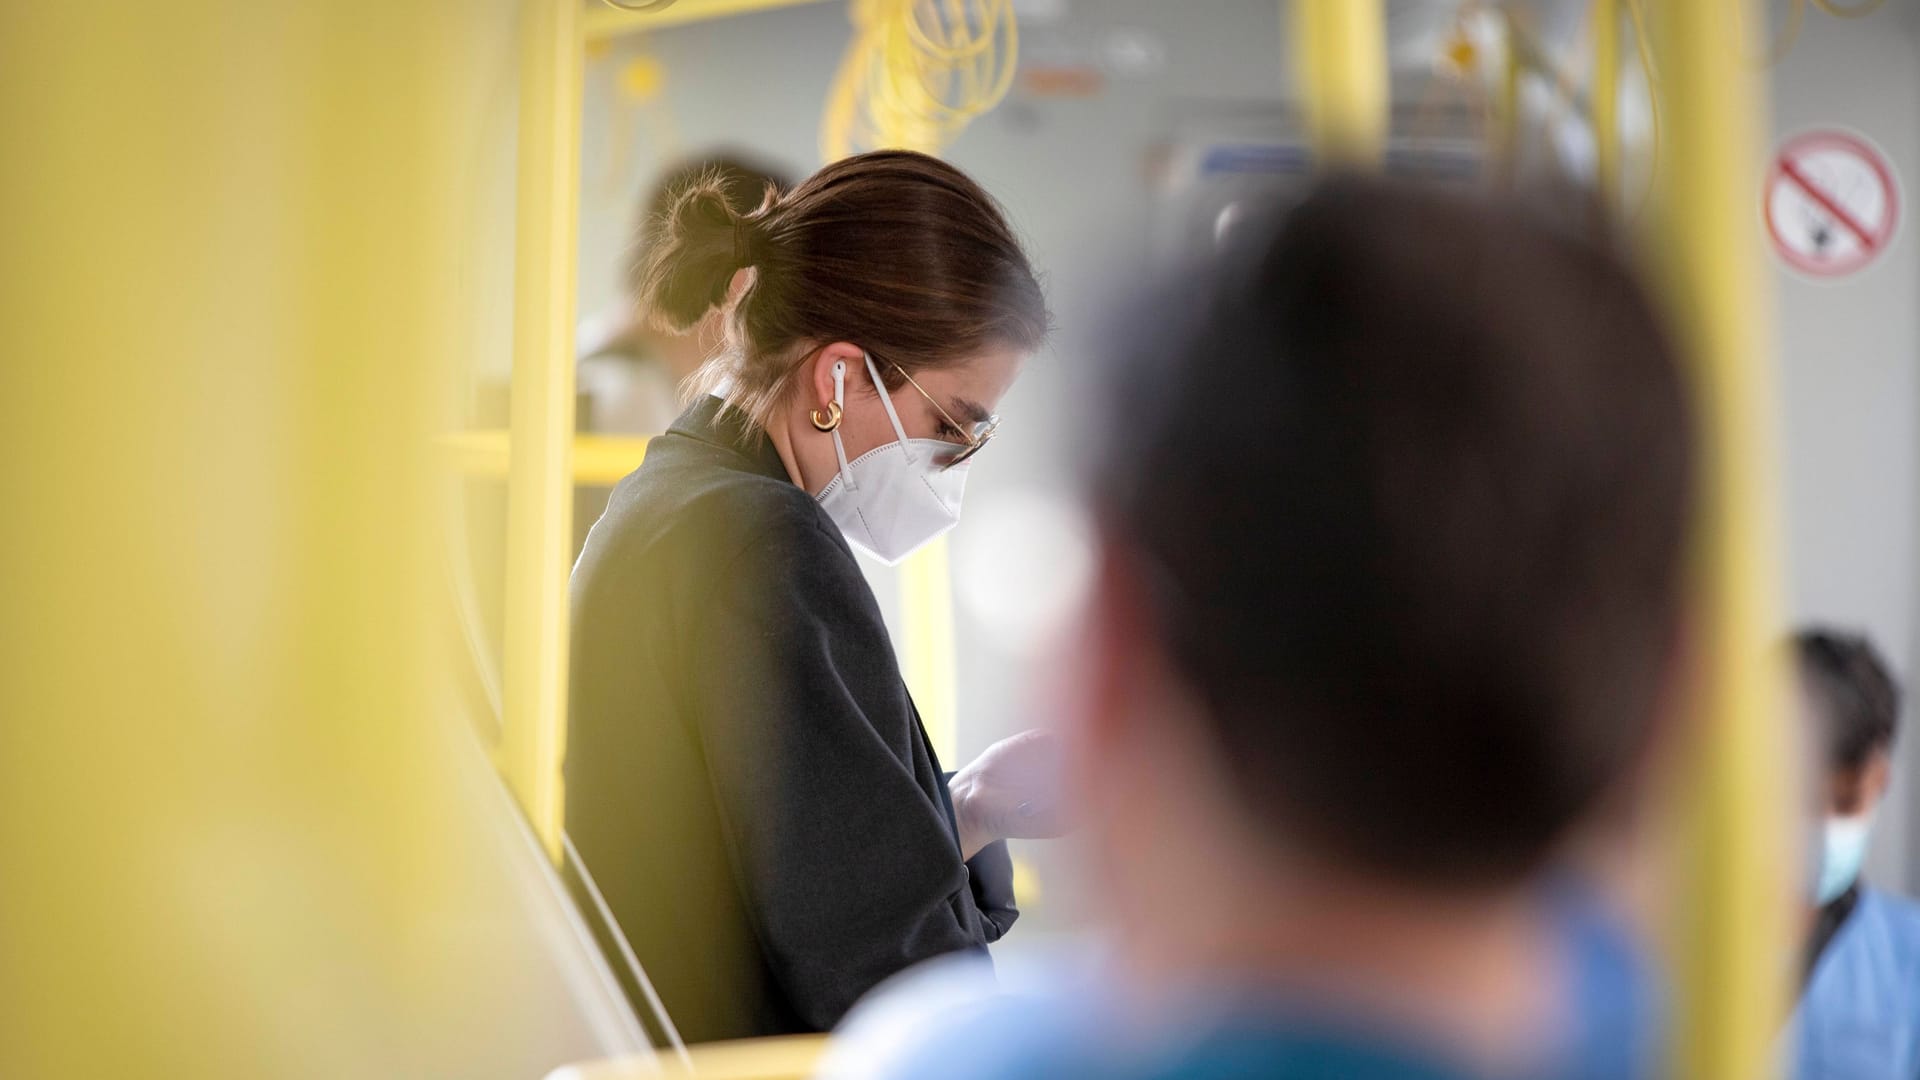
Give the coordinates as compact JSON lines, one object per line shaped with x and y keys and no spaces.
{"x":894,"y":498}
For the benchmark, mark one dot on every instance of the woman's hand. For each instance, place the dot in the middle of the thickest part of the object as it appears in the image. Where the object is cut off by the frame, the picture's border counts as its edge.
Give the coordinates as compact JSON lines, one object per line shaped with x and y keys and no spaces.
{"x":1011,"y":791}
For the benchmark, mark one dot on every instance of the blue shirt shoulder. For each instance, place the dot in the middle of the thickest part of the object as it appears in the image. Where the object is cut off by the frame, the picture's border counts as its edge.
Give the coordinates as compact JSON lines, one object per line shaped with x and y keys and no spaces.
{"x":1859,"y":1018}
{"x":950,"y":1021}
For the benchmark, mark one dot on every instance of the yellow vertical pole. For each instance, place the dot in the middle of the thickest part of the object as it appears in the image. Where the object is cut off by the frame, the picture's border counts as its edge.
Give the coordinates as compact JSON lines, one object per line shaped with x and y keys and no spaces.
{"x":231,"y":838}
{"x":926,"y":607}
{"x":1340,"y":47}
{"x":1507,"y":154}
{"x":539,"y":481}
{"x":1733,"y":894}
{"x":1606,"y":100}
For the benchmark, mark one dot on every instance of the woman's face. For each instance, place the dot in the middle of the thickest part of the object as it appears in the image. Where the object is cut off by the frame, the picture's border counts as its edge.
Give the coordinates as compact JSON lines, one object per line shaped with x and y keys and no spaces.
{"x":958,"y":399}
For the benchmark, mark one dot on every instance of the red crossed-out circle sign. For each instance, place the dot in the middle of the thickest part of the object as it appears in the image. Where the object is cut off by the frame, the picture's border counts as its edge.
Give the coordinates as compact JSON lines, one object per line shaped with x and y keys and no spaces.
{"x":1831,"y":202}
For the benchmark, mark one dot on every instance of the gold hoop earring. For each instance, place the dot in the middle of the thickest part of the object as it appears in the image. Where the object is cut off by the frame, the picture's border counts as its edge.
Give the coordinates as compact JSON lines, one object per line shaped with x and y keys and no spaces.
{"x":828,"y":420}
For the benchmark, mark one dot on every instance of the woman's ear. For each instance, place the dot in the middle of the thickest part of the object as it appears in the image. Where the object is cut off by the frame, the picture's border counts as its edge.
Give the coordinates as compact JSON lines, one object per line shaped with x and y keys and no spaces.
{"x":819,"y":372}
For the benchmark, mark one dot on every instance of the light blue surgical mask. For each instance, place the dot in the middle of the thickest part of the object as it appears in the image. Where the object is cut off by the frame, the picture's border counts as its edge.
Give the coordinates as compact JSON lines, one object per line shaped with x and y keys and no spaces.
{"x":1843,"y":850}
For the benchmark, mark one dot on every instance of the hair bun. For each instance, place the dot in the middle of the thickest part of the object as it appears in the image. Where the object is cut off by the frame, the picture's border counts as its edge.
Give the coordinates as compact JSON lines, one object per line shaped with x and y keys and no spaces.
{"x":701,"y":242}
{"x":746,"y":240}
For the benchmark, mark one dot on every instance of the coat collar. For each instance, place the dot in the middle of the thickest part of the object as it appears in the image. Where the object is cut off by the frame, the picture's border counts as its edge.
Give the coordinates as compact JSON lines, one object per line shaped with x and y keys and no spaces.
{"x":707,"y":421}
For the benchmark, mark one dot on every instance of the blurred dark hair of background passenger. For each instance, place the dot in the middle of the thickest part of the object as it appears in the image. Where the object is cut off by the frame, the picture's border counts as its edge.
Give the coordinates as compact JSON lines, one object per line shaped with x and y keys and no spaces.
{"x":1393,"y":502}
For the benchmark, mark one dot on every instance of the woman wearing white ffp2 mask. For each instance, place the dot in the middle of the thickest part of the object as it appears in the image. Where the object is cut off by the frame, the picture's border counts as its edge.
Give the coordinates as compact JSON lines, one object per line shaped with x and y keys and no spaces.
{"x":748,"y":780}
{"x":896,"y":497}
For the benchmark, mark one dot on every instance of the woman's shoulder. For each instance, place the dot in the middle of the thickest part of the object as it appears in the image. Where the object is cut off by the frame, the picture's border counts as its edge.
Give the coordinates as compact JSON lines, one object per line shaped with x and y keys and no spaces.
{"x":694,"y":494}
{"x":755,"y":518}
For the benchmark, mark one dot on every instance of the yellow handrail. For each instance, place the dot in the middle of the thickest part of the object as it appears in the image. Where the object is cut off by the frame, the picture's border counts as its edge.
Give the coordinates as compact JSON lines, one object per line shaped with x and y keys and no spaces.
{"x":1730,"y":931}
{"x":540,"y":473}
{"x":603,"y":20}
{"x":793,"y":1057}
{"x":598,"y":460}
{"x":789,"y":1057}
{"x":1341,"y":49}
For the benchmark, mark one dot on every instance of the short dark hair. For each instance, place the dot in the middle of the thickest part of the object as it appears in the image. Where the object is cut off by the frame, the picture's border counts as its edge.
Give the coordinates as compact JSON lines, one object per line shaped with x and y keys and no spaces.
{"x":1855,"y":693}
{"x":1408,"y":482}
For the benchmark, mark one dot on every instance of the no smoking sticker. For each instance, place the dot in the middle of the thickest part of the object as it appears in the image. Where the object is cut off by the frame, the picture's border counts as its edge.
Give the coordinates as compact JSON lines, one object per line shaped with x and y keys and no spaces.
{"x":1832,"y":204}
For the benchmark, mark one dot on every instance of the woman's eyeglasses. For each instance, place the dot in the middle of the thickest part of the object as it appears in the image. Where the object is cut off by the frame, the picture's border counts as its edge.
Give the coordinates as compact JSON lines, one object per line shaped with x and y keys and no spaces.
{"x":975,"y":434}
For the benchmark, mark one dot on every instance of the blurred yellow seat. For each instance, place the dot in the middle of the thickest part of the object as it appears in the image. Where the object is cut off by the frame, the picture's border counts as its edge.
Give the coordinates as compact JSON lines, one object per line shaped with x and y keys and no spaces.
{"x":792,"y":1057}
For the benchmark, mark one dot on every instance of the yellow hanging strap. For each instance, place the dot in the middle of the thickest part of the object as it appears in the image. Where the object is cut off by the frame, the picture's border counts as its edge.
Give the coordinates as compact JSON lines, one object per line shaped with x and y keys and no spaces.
{"x":917,"y":72}
{"x":1729,"y":936}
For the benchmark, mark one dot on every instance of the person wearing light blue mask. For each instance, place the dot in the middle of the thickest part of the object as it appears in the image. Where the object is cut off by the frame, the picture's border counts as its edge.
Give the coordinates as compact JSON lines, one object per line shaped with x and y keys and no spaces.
{"x":1859,"y":1014}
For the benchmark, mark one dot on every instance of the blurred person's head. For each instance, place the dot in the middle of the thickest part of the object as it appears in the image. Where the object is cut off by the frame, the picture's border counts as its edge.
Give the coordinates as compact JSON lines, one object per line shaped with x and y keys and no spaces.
{"x":745,"y":184}
{"x":1391,"y":503}
{"x":889,"y":270}
{"x":1850,"y":706}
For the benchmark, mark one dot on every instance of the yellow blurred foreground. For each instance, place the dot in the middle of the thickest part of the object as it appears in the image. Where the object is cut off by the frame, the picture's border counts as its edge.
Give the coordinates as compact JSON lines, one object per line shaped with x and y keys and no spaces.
{"x":244,"y":833}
